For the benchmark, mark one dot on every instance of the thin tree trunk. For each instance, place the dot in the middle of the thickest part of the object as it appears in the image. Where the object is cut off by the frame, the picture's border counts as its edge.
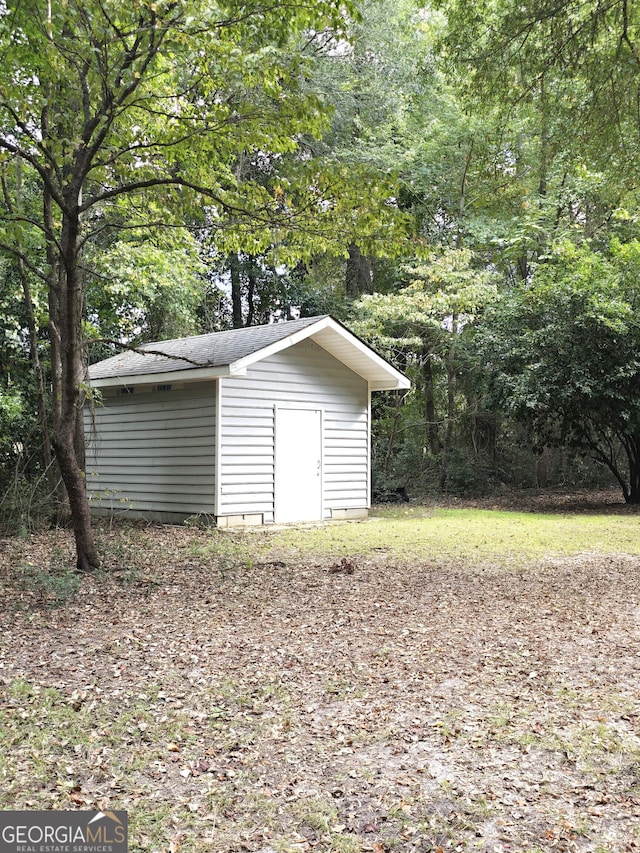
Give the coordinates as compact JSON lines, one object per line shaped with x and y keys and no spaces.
{"x":359,"y":274}
{"x":251,"y":292}
{"x":236,"y":292}
{"x":632,"y":449}
{"x":55,"y":343}
{"x":451,"y":403}
{"x":543,"y":465}
{"x":397,"y":402}
{"x":430,"y":417}
{"x":69,"y":375}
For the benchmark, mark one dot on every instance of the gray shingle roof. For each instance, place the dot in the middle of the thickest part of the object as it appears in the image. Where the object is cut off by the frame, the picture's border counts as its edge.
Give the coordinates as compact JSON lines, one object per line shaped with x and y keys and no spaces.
{"x":217,"y":349}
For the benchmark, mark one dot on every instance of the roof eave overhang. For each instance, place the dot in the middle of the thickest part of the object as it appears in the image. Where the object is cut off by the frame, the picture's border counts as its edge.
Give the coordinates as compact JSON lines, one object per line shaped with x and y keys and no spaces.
{"x":197,"y":374}
{"x":388,"y":386}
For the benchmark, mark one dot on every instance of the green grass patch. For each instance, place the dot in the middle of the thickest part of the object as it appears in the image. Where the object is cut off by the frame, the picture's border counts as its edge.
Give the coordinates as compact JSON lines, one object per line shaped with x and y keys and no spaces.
{"x":420,"y":533}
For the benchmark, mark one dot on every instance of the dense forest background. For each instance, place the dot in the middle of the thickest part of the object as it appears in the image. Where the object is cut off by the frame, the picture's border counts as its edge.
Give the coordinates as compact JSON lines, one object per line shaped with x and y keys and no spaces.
{"x":458,"y":183}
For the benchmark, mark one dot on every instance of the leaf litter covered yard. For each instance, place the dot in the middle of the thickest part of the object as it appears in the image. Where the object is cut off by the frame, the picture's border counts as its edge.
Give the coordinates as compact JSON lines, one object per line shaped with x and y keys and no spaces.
{"x":429,"y":680}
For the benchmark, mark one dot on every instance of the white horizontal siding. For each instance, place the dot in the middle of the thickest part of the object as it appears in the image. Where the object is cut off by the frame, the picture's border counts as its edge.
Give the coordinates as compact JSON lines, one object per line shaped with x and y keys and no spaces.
{"x":176,"y":452}
{"x":304,"y":375}
{"x":153,"y":451}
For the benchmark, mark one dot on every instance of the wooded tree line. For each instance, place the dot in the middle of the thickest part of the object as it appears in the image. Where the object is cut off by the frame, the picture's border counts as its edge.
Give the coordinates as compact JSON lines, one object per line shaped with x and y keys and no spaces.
{"x":457,"y":182}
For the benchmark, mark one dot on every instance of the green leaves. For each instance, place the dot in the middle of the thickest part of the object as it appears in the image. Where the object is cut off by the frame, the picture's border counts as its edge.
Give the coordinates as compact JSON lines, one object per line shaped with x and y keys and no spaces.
{"x":450,"y":284}
{"x":116,"y":99}
{"x":562,"y":354}
{"x":147,"y":289}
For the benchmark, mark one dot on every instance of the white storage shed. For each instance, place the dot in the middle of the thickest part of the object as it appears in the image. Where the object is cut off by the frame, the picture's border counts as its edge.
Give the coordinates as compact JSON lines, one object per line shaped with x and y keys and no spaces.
{"x":250,"y":426}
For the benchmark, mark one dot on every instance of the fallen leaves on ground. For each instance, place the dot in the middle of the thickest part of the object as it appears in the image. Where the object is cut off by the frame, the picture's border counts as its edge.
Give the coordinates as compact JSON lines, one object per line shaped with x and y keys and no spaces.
{"x":351,"y":704}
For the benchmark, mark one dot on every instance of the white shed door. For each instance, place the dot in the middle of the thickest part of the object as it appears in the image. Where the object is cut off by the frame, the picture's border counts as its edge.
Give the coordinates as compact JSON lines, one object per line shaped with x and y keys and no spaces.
{"x":298,"y":465}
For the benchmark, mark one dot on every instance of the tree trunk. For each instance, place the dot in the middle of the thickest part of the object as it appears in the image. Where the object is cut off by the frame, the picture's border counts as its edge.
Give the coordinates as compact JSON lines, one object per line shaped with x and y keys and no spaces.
{"x":236,"y":292}
{"x":632,"y":448}
{"x":397,"y":412}
{"x":431,"y":421}
{"x":359,"y":274}
{"x":68,"y":374}
{"x":53,"y":284}
{"x":451,"y":402}
{"x":543,"y":465}
{"x":251,"y":292}
{"x":73,"y":477}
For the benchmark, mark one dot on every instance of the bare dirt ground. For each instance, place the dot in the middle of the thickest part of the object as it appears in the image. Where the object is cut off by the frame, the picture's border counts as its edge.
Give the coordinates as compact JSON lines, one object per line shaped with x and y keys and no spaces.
{"x":323,"y":705}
